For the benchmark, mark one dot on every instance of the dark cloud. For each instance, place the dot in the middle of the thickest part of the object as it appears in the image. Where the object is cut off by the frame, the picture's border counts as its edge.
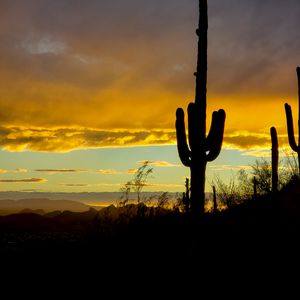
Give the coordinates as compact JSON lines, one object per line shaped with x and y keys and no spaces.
{"x":128,"y":64}
{"x":251,"y":140}
{"x":254,"y":46}
{"x":249,"y":41}
{"x":26,"y":180}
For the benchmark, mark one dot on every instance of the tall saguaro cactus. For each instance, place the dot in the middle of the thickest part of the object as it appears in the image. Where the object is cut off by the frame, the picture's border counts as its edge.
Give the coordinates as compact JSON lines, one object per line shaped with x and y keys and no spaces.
{"x":290,"y":126}
{"x":200,"y":148}
{"x":275,"y":156}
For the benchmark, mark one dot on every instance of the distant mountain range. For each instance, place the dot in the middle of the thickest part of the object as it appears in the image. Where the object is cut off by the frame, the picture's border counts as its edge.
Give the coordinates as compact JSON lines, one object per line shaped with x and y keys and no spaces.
{"x":14,"y":202}
{"x":93,"y":198}
{"x":82,"y":197}
{"x":40,"y":206}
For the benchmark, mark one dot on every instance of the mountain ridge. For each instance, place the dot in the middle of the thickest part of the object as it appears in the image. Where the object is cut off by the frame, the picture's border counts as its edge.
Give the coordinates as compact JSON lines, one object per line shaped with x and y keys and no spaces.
{"x":9,"y":206}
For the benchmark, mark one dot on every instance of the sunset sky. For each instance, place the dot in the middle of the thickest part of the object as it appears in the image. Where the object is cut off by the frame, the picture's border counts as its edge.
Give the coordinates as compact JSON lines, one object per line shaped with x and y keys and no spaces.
{"x":89,"y":88}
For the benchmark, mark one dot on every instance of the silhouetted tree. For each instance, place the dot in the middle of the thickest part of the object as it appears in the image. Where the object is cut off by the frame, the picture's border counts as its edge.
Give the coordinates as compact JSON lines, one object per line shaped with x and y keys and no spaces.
{"x":140,"y":179}
{"x":262,"y":178}
{"x":229,"y":193}
{"x":137,"y":184}
{"x":125,"y":189}
{"x":262,"y":172}
{"x":290,"y":126}
{"x":291,"y":166}
{"x":202,"y":148}
{"x":163,"y":200}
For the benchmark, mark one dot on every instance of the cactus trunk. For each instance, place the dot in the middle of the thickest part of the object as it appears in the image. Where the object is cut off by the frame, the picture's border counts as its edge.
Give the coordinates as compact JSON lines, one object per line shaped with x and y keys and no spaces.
{"x":198,"y":187}
{"x":200,"y":148}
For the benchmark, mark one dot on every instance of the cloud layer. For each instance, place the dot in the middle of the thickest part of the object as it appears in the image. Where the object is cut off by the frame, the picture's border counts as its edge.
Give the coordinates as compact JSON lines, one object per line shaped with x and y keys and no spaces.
{"x":59,"y":171}
{"x":85,"y":74}
{"x":68,"y":139}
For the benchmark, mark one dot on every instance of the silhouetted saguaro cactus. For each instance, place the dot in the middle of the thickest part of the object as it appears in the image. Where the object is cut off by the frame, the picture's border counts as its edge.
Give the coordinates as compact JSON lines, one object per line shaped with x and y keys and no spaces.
{"x":290,"y":126}
{"x":201,"y":148}
{"x":274,"y":159}
{"x":186,"y":196}
{"x":187,"y":188}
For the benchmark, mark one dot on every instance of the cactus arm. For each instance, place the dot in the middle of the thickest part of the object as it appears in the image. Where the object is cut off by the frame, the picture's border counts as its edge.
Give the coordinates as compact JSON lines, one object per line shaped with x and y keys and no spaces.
{"x":182,"y":146}
{"x":212,"y":132}
{"x":193,"y":126}
{"x":216,"y":143}
{"x":290,"y":127}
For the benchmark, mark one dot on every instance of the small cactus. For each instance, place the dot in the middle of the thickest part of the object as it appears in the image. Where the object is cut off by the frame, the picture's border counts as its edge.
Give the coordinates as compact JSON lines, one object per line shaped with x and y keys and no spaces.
{"x":290,"y":126}
{"x":186,"y":196}
{"x":274,"y":159}
{"x":215,"y":200}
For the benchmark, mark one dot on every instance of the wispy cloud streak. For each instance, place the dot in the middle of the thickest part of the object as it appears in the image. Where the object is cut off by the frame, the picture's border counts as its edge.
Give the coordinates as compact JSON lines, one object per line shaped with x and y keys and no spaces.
{"x":26,"y":180}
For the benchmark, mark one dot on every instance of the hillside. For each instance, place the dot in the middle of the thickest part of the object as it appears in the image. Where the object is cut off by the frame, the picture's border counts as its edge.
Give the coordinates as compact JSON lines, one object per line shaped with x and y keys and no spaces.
{"x":141,"y":244}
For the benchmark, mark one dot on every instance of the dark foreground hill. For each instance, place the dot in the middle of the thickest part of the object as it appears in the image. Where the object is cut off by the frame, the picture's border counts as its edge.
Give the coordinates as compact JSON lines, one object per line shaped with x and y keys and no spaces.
{"x":255,"y":244}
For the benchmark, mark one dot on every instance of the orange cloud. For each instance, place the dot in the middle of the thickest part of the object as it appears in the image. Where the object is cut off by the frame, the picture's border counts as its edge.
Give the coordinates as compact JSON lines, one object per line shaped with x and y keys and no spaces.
{"x":165,"y":185}
{"x":67,"y":139}
{"x":74,"y":184}
{"x":132,"y":171}
{"x":54,"y":171}
{"x":246,"y":140}
{"x":228,"y":167}
{"x":18,"y":170}
{"x":157,"y":163}
{"x":108,"y":172}
{"x":21,"y":170}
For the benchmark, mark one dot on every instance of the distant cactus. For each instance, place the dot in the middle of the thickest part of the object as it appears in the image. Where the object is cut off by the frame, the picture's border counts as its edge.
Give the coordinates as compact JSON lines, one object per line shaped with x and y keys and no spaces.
{"x":274,"y":159}
{"x":215,"y":200}
{"x":186,"y":196}
{"x":202,"y":148}
{"x":290,"y":126}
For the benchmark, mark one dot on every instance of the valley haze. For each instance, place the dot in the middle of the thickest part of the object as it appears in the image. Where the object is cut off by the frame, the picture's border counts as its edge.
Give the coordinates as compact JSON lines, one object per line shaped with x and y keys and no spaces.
{"x":14,"y":202}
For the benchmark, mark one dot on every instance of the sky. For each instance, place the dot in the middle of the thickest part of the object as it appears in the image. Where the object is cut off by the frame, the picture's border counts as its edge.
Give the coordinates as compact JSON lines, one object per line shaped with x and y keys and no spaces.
{"x":89,"y":88}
